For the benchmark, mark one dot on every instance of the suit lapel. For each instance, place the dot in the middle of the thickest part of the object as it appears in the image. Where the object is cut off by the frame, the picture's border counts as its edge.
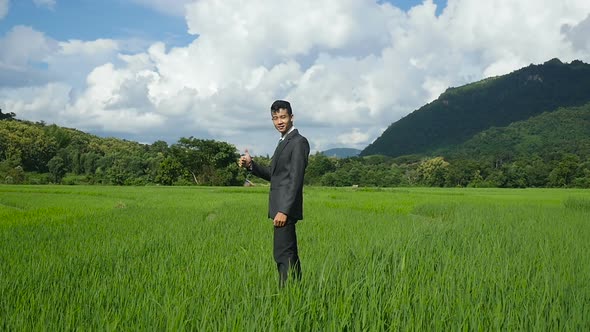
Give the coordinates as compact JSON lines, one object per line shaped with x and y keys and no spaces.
{"x":279,"y":149}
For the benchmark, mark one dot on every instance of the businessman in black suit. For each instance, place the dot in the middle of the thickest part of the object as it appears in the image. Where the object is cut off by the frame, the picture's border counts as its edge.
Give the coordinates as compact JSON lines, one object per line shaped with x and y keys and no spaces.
{"x":285,"y":173}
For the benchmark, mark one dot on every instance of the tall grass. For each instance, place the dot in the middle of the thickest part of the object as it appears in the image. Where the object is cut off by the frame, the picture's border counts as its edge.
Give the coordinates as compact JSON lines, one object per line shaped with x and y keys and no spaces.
{"x":201,"y":259}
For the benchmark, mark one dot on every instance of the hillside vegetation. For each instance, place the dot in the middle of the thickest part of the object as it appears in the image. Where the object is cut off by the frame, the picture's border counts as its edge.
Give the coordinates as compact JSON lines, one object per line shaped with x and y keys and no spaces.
{"x":460,"y":113}
{"x":565,"y":131}
{"x":37,"y":153}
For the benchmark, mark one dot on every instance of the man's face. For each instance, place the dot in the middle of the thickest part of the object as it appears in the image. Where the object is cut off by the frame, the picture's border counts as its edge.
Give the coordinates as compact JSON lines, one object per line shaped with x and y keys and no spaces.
{"x":282,"y":120}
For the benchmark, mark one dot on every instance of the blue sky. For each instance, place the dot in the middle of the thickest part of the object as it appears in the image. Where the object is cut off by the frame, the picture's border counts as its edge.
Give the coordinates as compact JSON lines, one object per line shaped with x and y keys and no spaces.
{"x":90,"y":19}
{"x":135,"y":69}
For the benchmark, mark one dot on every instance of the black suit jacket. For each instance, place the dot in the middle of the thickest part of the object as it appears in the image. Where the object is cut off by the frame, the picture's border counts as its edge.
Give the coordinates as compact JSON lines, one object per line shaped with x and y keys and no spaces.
{"x":286,"y":173}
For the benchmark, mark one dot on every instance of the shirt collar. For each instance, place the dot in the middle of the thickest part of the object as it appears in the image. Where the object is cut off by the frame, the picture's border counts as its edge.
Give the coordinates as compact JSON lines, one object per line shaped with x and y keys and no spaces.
{"x":287,"y":133}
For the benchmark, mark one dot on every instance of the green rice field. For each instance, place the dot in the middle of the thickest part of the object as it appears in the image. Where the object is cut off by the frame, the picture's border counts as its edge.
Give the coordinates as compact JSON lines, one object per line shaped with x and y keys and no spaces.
{"x":200,"y":259}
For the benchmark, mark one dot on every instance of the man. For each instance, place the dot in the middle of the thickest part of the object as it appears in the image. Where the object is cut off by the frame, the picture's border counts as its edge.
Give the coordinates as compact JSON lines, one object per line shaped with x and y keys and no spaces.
{"x":285,"y":173}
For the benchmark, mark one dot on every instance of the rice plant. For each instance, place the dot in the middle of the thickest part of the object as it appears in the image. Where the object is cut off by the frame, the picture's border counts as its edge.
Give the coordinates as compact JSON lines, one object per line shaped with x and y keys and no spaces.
{"x":195,"y":258}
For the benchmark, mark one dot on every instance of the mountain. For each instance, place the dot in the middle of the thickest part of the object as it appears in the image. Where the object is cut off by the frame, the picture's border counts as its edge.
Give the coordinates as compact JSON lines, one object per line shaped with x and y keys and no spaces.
{"x":460,"y":113}
{"x":564,"y":131}
{"x":341,"y":152}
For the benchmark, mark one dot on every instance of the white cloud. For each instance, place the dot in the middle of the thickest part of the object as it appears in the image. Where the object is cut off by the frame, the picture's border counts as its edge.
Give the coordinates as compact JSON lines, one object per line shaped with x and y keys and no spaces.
{"x":115,"y":100}
{"x":72,"y":60}
{"x":350,"y":68}
{"x":4,"y":6}
{"x":45,"y":3}
{"x":23,"y":44}
{"x":29,"y":58}
{"x":354,"y":137}
{"x":21,"y":50}
{"x":88,"y":48}
{"x":578,"y":34}
{"x":37,"y":103}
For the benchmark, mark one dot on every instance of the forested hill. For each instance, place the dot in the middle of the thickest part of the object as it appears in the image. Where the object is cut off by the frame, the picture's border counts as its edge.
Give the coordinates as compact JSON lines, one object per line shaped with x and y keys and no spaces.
{"x":549,"y":136}
{"x":460,"y":113}
{"x":37,"y":153}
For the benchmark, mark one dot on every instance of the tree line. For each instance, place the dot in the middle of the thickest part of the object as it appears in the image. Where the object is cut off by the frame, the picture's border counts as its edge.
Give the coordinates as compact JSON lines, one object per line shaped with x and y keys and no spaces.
{"x":561,"y":170}
{"x":36,"y":153}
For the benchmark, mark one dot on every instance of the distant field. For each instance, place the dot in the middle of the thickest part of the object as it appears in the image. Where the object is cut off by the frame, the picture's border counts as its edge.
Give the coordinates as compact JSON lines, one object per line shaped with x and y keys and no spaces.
{"x":199,"y":259}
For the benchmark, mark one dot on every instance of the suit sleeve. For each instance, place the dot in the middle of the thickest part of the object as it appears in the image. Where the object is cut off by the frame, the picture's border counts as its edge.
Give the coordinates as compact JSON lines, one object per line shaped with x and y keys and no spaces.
{"x":261,"y":171}
{"x":296,"y":175}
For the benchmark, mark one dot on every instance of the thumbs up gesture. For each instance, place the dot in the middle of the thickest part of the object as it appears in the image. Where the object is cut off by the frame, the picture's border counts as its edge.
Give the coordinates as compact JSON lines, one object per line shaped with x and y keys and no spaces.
{"x":245,"y":160}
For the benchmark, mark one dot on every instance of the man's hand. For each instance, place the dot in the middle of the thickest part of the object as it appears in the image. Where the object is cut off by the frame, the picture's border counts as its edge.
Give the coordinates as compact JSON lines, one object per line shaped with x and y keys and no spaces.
{"x":280,"y":219}
{"x":245,"y":160}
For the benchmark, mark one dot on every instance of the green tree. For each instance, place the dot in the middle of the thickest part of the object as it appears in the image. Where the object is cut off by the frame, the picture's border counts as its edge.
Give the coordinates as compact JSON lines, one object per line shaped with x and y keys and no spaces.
{"x":159,"y":147}
{"x":433,"y":172}
{"x":169,"y":171}
{"x":202,"y":159}
{"x":496,"y":178}
{"x":515,"y":176}
{"x":536,"y":171}
{"x":318,"y":165}
{"x":477,"y":181}
{"x":28,"y":143}
{"x":57,"y":168}
{"x":583,"y":179}
{"x":89,"y":161}
{"x":565,"y":172}
{"x":11,"y":172}
{"x":7,"y":116}
{"x":461,"y":172}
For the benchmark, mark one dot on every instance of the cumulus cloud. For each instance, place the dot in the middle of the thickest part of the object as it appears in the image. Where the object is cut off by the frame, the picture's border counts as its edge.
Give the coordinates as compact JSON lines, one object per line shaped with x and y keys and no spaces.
{"x":28,"y":58}
{"x":37,"y":103}
{"x":354,"y":137}
{"x":350,"y":68}
{"x":88,"y":48}
{"x":23,"y":44}
{"x":578,"y":34}
{"x":22,"y":50}
{"x":73,"y":60}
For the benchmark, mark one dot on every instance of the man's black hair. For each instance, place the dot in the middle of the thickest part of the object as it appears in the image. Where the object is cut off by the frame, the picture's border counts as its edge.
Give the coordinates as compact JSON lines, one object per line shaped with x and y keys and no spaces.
{"x":281,"y":104}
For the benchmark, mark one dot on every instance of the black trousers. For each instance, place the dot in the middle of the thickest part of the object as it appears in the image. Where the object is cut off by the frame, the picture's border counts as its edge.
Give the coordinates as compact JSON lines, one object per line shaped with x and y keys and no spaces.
{"x":285,"y":252}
